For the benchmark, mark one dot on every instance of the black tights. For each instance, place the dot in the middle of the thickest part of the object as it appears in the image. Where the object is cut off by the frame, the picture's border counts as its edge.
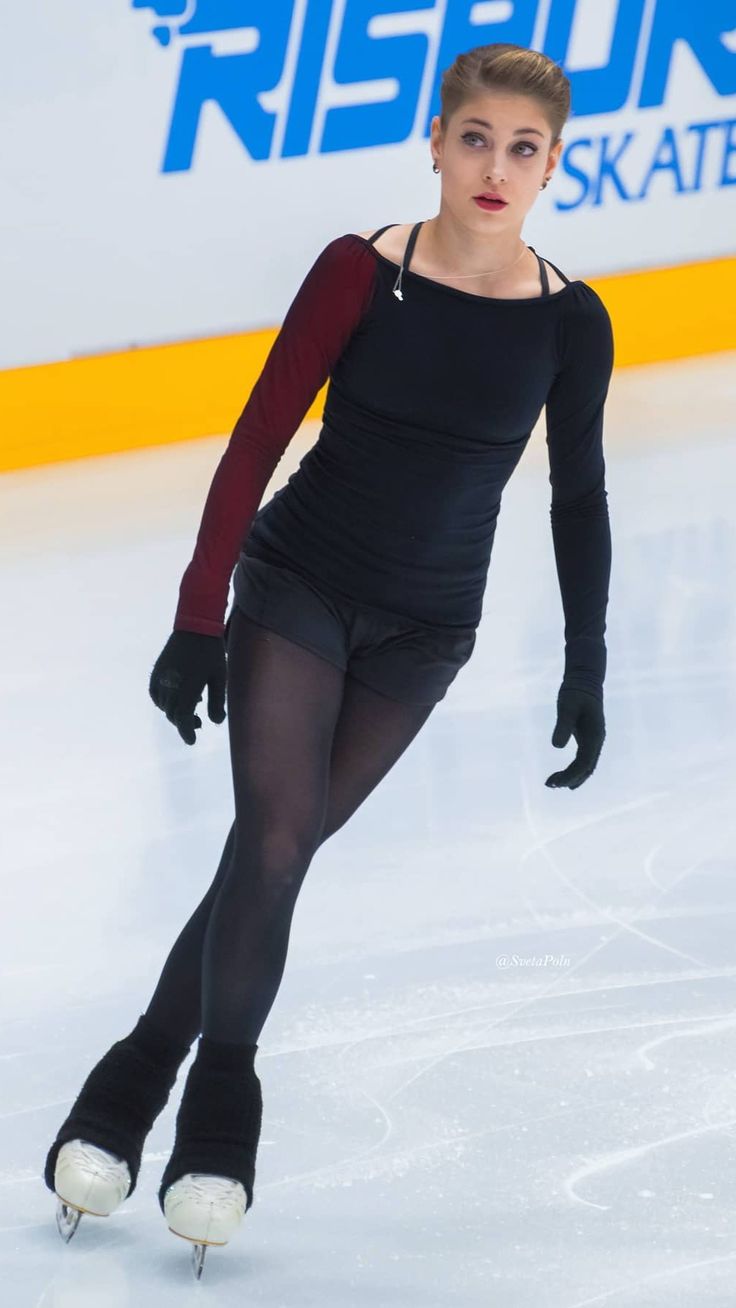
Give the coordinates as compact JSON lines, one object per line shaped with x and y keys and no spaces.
{"x":308,"y":743}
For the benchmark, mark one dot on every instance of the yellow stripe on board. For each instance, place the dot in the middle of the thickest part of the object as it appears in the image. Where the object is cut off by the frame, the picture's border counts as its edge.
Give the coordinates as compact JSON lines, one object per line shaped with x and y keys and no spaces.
{"x":157,"y":395}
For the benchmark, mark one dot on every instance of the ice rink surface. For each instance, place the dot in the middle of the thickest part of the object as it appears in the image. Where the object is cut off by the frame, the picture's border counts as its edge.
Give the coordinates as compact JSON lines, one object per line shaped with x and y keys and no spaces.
{"x":501,"y":1067}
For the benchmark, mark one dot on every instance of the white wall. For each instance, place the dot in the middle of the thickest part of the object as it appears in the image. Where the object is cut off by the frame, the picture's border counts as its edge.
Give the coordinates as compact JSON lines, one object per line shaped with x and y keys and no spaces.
{"x":102,"y":248}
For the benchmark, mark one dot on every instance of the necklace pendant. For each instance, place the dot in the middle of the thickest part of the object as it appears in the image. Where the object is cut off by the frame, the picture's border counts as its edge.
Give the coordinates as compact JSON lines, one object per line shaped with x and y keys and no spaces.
{"x":398,"y":293}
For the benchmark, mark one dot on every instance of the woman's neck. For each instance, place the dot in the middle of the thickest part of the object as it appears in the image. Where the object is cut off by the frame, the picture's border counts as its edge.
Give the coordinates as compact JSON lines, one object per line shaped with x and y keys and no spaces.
{"x":452,"y":251}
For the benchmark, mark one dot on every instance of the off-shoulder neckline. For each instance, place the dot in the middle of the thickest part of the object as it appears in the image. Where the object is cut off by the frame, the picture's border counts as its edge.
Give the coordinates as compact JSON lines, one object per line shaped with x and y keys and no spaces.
{"x":468,"y":295}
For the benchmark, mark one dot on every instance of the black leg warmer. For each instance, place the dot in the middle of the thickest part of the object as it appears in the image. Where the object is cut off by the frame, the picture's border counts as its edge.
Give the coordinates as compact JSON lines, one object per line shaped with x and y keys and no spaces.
{"x":122,"y":1097}
{"x":218,"y":1125}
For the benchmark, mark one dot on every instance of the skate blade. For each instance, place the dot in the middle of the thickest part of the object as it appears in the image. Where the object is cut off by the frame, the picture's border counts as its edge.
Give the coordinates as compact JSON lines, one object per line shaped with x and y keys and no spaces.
{"x":198,"y":1253}
{"x":68,"y":1217}
{"x":199,"y":1249}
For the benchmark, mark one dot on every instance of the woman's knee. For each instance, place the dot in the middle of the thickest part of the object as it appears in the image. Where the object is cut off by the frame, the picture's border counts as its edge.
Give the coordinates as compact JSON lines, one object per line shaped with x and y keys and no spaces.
{"x":274,"y":863}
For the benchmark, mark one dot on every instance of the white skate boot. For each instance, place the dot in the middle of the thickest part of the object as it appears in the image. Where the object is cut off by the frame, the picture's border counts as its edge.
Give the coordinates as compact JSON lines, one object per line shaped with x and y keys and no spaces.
{"x":87,"y":1179}
{"x":204,"y":1209}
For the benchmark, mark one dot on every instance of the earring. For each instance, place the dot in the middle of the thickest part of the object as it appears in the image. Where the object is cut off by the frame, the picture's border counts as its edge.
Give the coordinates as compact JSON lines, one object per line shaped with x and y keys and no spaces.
{"x":544,"y":183}
{"x":435,"y":169}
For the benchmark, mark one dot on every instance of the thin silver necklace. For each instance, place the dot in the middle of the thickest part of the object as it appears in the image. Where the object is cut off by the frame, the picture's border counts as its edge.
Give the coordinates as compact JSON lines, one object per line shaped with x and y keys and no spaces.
{"x":444,"y":277}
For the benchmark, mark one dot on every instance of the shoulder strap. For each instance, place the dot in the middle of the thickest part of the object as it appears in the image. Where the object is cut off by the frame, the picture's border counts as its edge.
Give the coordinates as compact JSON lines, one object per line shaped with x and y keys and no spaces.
{"x":543,"y":272}
{"x":557,"y":270}
{"x":380,"y":232}
{"x":406,"y":260}
{"x":543,"y":276}
{"x":408,"y":252}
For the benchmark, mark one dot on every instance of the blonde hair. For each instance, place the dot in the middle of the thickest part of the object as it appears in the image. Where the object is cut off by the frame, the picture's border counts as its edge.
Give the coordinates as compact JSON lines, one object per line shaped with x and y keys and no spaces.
{"x":510,"y":68}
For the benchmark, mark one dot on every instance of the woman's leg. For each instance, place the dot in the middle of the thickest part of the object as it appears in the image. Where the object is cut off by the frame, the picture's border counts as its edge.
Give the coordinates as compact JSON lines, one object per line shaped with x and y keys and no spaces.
{"x":121,"y":1098}
{"x":175,"y":1005}
{"x":284,"y":708}
{"x":371,"y":734}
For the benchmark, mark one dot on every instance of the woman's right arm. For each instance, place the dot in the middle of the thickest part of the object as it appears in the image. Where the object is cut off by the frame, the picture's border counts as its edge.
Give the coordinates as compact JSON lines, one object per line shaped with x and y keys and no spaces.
{"x":318,"y":325}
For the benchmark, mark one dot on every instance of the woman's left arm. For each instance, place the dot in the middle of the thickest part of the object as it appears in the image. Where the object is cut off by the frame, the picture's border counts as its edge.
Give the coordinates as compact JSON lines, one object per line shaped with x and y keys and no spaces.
{"x":581,"y":530}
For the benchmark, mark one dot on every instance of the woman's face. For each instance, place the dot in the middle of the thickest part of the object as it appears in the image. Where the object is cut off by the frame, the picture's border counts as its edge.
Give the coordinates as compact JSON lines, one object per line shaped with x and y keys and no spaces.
{"x":491,"y":153}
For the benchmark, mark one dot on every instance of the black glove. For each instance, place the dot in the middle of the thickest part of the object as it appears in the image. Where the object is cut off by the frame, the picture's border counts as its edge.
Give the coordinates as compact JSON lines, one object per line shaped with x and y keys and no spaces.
{"x":580,"y":713}
{"x":187,"y":663}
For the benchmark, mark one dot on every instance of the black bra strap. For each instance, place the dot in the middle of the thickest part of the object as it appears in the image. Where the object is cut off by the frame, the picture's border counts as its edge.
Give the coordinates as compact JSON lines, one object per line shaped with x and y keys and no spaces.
{"x":408,"y":252}
{"x":397,"y":287}
{"x":543,"y":275}
{"x":559,"y":271}
{"x":380,"y":232}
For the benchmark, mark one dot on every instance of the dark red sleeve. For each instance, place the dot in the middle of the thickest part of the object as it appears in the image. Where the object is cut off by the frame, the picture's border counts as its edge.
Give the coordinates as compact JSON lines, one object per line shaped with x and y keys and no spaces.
{"x":323,"y":315}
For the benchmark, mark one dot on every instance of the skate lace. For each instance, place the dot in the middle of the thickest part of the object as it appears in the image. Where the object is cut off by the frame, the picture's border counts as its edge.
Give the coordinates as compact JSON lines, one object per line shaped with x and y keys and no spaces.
{"x":102,"y":1161}
{"x":213,"y":1187}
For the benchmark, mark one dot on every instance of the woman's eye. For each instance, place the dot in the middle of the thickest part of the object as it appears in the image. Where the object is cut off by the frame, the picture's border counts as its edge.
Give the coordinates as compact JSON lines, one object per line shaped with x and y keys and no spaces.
{"x":475,"y":136}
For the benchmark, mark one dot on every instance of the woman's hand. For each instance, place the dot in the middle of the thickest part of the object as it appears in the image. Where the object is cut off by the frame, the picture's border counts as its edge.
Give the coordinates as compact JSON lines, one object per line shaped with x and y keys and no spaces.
{"x":579,"y":713}
{"x":187,"y":663}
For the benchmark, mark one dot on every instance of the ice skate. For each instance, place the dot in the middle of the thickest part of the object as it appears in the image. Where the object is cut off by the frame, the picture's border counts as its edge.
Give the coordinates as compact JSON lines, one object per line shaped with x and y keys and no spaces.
{"x":205,"y":1209}
{"x":207,"y":1185}
{"x":93,"y":1164}
{"x":87,"y":1180}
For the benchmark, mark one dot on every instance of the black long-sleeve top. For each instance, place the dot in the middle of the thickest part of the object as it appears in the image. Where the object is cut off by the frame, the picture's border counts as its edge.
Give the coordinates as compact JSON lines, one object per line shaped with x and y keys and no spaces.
{"x":431,"y":401}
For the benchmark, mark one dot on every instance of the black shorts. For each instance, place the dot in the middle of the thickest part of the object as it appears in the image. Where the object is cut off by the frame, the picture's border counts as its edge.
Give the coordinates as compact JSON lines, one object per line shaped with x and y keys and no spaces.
{"x":409,"y":661}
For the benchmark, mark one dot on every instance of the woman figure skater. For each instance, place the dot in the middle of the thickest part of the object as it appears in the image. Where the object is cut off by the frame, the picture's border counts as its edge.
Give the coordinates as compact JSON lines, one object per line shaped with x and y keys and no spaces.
{"x":358,"y":592}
